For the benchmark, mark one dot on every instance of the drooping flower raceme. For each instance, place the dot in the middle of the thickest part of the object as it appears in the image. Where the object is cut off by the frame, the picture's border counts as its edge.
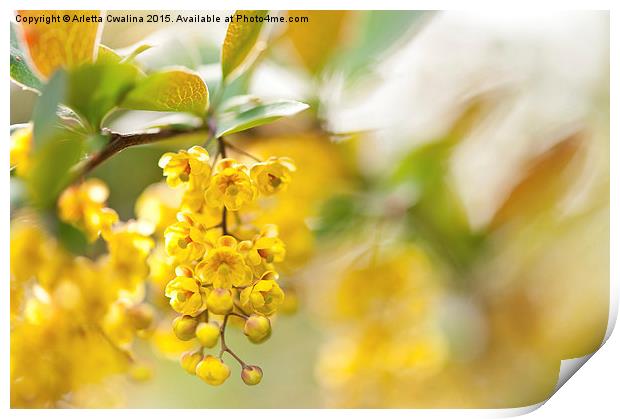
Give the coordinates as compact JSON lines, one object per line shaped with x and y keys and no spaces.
{"x":223,"y":267}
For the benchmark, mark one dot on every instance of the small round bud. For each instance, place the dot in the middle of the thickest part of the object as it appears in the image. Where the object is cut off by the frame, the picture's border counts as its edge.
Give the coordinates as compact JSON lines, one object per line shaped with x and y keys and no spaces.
{"x":208,"y":334}
{"x":141,"y":316}
{"x":140,"y":372}
{"x":185,"y":327}
{"x":212,"y":370}
{"x":251,"y":374}
{"x":190,"y":360}
{"x":257,"y":328}
{"x":220,"y":301}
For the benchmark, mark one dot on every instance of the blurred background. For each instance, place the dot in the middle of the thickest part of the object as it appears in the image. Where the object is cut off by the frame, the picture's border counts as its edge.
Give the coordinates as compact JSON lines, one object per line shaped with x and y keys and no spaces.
{"x":448,"y":227}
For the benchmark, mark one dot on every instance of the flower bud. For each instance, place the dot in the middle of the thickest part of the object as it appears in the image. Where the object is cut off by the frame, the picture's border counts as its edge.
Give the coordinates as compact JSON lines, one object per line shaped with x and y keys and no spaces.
{"x":257,"y":328}
{"x":141,"y":316}
{"x":185,"y":327}
{"x":251,"y":374}
{"x":220,"y":301}
{"x":208,"y":334}
{"x":189,"y":361}
{"x":212,"y":370}
{"x":141,"y":372}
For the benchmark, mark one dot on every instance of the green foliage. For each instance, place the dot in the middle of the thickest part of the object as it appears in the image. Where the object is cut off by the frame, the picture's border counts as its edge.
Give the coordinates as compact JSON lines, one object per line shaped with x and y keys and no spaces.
{"x":338,"y":215}
{"x":249,"y":112}
{"x":51,"y":166}
{"x":107,"y":55}
{"x":190,"y":50}
{"x":437,"y":216}
{"x":21,"y":73}
{"x":240,"y":42}
{"x":175,"y":90}
{"x":72,"y":238}
{"x":44,"y":114}
{"x":96,"y":89}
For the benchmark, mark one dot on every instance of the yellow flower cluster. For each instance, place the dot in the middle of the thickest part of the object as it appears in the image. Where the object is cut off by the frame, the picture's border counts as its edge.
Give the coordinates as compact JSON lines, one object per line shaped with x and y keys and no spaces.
{"x":222,"y":266}
{"x":83,"y":205}
{"x":383,"y":329}
{"x":73,"y":319}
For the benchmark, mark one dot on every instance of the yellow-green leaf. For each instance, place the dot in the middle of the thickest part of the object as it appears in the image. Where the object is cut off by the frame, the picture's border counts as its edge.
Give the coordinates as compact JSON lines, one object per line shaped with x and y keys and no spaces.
{"x":61,"y":45}
{"x":240,"y":41}
{"x":173,"y":90}
{"x":107,"y":56}
{"x":96,"y":89}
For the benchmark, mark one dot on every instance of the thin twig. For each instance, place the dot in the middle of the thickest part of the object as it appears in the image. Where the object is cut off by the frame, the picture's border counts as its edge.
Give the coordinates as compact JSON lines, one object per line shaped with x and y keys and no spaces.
{"x":223,"y":346}
{"x":241,"y":151}
{"x":118,"y":142}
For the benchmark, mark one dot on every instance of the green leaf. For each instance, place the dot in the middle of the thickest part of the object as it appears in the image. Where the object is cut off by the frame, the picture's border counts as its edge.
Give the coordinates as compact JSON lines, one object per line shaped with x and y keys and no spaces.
{"x":240,"y":41}
{"x":72,"y":238}
{"x":106,"y":55}
{"x":44,"y":114}
{"x":256,"y":115}
{"x":338,"y":215}
{"x":96,"y":89}
{"x":437,"y":217}
{"x":51,"y":166}
{"x":174,"y":90}
{"x":21,"y":73}
{"x":137,"y":51}
{"x":188,"y":49}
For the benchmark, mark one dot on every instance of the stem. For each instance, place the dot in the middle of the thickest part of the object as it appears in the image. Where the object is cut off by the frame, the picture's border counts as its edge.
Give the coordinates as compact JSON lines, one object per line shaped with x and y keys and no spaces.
{"x":128,"y":357}
{"x":222,"y":152}
{"x":224,"y":347}
{"x":118,"y":142}
{"x":240,"y":151}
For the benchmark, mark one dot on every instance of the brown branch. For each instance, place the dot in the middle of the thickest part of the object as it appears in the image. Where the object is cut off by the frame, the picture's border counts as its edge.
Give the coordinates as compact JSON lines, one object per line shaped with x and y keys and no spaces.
{"x":223,"y":347}
{"x":118,"y":142}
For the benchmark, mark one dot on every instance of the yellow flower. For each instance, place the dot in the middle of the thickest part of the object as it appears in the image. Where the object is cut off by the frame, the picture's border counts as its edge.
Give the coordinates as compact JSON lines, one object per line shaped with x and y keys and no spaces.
{"x":180,"y":167}
{"x":184,"y":239}
{"x":194,"y":196}
{"x":208,"y":334}
{"x":83,"y":205}
{"x":220,"y":301}
{"x":212,"y":370}
{"x":184,"y":327}
{"x":230,"y":186}
{"x":264,"y":297}
{"x":273,"y":175}
{"x":266,"y":247}
{"x":21,"y":146}
{"x":129,"y":248}
{"x":190,"y":360}
{"x":30,"y":249}
{"x":117,"y":326}
{"x":223,"y":266}
{"x":185,"y":293}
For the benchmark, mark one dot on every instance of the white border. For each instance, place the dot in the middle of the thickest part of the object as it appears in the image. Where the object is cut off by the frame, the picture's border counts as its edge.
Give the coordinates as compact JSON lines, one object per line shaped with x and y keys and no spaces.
{"x":594,"y":389}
